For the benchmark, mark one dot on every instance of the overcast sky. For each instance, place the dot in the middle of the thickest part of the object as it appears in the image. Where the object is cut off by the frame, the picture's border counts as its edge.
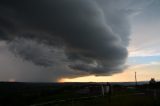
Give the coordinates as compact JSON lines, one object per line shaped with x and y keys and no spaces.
{"x":82,"y":40}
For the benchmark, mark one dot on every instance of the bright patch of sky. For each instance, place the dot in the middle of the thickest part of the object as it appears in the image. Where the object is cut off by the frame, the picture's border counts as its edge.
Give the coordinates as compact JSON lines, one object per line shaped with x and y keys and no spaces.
{"x":143,"y":60}
{"x":145,"y":36}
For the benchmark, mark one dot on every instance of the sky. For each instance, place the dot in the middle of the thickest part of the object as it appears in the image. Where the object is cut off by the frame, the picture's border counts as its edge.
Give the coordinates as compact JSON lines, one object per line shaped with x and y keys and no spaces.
{"x":79,"y":41}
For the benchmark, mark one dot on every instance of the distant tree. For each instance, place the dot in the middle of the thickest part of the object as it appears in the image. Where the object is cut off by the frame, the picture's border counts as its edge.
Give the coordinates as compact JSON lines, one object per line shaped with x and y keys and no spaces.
{"x":152,"y":81}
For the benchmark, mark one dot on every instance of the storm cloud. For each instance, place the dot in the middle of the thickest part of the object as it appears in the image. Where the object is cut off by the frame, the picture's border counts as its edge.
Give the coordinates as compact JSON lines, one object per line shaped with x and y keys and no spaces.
{"x":85,"y":37}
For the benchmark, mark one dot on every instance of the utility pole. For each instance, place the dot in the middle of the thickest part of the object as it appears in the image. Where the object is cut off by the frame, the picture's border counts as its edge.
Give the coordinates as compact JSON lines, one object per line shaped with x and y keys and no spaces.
{"x":135,"y":79}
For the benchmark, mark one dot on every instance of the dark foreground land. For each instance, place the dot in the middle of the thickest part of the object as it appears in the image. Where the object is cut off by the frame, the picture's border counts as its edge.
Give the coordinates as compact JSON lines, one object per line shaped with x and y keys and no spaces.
{"x":77,"y":94}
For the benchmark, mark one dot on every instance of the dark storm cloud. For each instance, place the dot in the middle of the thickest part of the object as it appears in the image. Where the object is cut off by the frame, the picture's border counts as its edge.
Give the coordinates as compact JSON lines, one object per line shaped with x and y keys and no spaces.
{"x":87,"y":36}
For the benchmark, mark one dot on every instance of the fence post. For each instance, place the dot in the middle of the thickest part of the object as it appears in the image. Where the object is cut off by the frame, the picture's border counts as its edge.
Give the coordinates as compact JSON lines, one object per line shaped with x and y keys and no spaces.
{"x":102,"y":88}
{"x":72,"y":102}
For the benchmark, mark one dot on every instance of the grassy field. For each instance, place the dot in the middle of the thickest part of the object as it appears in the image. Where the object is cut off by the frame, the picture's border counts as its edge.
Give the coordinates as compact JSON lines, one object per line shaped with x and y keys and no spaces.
{"x":39,"y":94}
{"x":123,"y":100}
{"x":119,"y":98}
{"x":115,"y":101}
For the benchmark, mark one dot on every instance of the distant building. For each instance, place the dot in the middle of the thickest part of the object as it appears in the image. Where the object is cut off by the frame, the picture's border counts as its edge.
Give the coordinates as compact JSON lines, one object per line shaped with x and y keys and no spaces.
{"x":96,"y":89}
{"x":100,"y":89}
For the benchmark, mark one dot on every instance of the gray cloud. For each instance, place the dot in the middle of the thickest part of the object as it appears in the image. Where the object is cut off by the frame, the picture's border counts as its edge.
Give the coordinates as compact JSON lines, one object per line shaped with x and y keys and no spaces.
{"x":82,"y":36}
{"x":39,"y":53}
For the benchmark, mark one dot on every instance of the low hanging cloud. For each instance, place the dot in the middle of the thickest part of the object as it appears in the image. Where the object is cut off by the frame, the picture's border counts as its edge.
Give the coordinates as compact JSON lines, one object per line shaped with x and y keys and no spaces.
{"x":83,"y":36}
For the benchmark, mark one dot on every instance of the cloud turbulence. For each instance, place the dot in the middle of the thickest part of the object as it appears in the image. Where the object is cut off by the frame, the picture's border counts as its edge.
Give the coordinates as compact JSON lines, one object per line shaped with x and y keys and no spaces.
{"x":81,"y":37}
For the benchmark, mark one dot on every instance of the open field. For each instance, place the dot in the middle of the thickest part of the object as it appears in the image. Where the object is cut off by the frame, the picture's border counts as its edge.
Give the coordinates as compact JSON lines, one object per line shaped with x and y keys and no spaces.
{"x":75,"y":94}
{"x":126,"y":100}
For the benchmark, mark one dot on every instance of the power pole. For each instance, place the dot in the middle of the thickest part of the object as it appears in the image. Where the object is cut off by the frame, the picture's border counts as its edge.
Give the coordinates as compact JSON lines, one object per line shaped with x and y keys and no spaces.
{"x":135,"y":79}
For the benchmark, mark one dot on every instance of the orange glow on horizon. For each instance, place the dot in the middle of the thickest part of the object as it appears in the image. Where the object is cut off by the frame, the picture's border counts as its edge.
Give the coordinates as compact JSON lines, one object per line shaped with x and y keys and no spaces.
{"x":11,"y":80}
{"x":144,"y":73}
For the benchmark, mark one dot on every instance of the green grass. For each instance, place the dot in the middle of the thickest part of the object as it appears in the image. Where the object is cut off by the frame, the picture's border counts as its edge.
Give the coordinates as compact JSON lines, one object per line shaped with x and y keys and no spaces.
{"x":25,"y":95}
{"x":119,"y":98}
{"x":129,"y":100}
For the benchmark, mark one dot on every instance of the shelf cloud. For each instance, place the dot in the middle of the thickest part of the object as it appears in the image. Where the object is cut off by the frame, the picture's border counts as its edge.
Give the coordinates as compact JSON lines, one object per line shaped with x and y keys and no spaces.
{"x":81,"y":37}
